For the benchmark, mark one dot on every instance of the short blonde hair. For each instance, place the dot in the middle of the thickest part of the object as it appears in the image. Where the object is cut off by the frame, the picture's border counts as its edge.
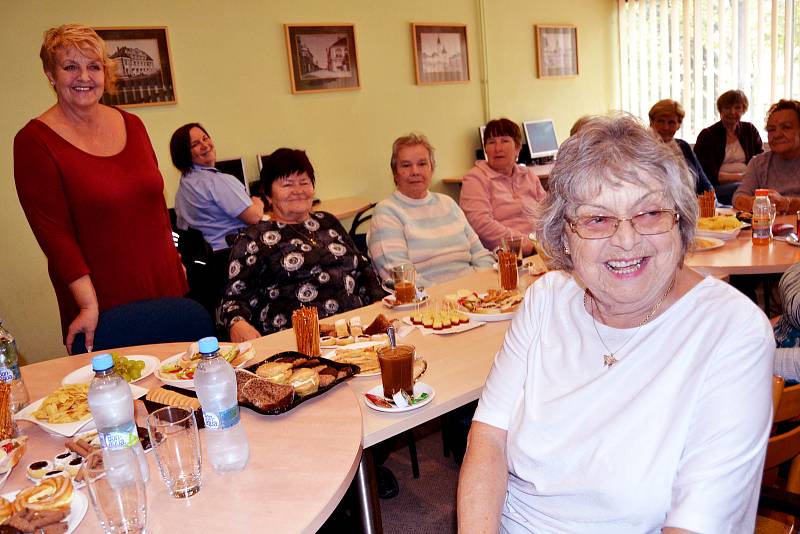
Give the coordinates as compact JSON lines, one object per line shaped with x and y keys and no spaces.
{"x":667,"y":106}
{"x":412,"y":139}
{"x":83,"y":38}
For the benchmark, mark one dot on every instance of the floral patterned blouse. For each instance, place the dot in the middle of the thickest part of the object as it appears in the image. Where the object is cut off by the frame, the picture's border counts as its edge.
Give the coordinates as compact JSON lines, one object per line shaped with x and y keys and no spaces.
{"x":277,"y":267}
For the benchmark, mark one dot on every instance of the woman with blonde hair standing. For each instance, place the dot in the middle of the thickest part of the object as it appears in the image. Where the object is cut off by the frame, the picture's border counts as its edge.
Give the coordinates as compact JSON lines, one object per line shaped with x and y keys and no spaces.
{"x":88,"y":181}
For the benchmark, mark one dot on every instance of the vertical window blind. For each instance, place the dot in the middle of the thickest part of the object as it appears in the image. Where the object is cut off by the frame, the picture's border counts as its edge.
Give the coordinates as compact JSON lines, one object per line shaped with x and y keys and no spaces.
{"x":694,"y":50}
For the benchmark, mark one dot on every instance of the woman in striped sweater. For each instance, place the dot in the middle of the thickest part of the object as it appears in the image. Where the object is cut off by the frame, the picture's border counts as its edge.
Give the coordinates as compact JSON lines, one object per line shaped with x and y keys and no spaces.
{"x":417,"y":226}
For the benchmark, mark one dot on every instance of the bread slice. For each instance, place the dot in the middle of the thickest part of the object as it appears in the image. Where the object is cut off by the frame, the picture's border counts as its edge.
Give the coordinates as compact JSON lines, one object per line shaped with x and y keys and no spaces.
{"x":378,"y":326}
{"x":242,"y":378}
{"x":266,"y":395}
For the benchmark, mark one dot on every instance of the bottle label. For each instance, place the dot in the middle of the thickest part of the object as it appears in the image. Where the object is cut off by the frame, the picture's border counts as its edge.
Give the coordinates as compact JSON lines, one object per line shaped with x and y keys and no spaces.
{"x":9,"y":373}
{"x":221,"y":420}
{"x":119,"y":437}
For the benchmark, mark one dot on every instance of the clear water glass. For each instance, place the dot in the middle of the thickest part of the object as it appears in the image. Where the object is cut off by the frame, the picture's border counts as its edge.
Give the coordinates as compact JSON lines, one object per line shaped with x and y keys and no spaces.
{"x":117,"y":491}
{"x":176,"y":443}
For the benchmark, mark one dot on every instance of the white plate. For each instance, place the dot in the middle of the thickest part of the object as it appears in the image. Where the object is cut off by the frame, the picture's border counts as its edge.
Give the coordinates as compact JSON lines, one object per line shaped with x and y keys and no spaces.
{"x":168,"y":379}
{"x":66,"y":429}
{"x":77,"y":509}
{"x":471,"y":325}
{"x":717,"y":244}
{"x":85,"y":374}
{"x":419,"y":389}
{"x":490,"y":317}
{"x":389,"y":302}
{"x":331,"y":354}
{"x":723,"y":235}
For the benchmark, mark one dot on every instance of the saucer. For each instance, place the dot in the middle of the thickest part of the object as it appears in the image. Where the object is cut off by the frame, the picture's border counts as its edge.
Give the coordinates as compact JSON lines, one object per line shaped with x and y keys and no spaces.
{"x":419,"y":389}
{"x":389,"y":302}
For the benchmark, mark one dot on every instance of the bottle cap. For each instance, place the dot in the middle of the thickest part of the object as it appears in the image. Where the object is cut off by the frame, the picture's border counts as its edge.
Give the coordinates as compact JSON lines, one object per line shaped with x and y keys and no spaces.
{"x":208,"y":345}
{"x":102,"y":362}
{"x":762,"y":192}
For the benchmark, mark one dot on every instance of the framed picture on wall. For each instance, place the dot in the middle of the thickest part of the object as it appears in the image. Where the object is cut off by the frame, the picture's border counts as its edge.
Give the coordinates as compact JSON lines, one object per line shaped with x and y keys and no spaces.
{"x":440,"y":53}
{"x":144,"y":66}
{"x":556,"y":51}
{"x":322,"y":57}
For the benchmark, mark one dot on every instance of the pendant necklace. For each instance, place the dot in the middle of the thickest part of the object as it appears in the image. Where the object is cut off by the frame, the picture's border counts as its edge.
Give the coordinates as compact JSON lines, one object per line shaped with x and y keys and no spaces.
{"x":307,"y":236}
{"x":610,"y":359}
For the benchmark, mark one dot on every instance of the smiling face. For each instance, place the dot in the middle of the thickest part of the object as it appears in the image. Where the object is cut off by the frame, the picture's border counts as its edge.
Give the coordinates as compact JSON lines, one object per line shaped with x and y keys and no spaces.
{"x":665,"y":125}
{"x":292,"y":197}
{"x":731,"y":115}
{"x":202,"y":148}
{"x":783,"y":133}
{"x":627,"y":273}
{"x":77,"y":77}
{"x":414,"y":171}
{"x":502,"y":153}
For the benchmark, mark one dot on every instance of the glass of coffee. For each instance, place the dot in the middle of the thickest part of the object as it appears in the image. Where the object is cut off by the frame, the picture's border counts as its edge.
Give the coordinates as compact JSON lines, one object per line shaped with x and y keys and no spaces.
{"x":507,"y":268}
{"x":513,"y":243}
{"x":404,"y":278}
{"x":397,"y":369}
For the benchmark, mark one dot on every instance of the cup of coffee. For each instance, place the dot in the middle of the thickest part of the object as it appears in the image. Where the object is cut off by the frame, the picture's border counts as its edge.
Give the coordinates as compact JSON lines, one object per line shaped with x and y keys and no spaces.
{"x":403,"y":283}
{"x":397,"y":369}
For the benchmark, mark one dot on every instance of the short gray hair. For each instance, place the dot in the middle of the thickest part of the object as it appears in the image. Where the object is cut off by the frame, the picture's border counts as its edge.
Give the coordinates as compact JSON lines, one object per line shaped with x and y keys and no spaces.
{"x":614,"y":150}
{"x":412,"y":139}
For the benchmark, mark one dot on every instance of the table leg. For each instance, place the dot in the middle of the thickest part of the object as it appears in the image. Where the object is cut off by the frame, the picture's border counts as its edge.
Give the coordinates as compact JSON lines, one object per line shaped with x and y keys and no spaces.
{"x":367,"y":495}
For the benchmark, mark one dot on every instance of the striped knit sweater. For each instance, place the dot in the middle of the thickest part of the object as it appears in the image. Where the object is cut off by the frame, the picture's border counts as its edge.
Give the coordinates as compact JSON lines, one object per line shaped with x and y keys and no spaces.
{"x":432,"y":233}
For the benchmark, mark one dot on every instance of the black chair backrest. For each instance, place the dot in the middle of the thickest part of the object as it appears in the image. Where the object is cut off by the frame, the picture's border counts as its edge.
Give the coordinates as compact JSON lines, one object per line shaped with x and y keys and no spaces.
{"x":146,"y":322}
{"x":360,"y":239}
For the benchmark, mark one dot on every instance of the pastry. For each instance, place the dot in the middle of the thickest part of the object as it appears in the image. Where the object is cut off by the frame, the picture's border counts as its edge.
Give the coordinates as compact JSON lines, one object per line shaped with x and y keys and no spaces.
{"x":51,"y":494}
{"x":39,"y":521}
{"x":6,"y":510}
{"x":267,"y":395}
{"x":37,"y":469}
{"x":355,"y":326}
{"x":74,"y":466}
{"x":326,"y":380}
{"x":63,"y":459}
{"x":327,"y":341}
{"x":327,"y":330}
{"x":275,"y":372}
{"x":11,"y":450}
{"x":305,"y":381}
{"x":378,"y":326}
{"x":54,"y":473}
{"x":341,"y":328}
{"x":172,"y":398}
{"x":242,"y":378}
{"x":344,"y":340}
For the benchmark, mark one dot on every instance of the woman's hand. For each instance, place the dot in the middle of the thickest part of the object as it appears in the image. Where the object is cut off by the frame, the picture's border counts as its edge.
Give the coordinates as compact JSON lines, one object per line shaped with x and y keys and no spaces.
{"x":781,"y":202}
{"x":243,"y":331}
{"x":85,"y":322}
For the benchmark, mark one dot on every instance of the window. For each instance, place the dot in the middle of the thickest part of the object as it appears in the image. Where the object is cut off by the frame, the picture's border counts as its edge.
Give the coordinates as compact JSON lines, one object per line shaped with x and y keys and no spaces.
{"x":694,"y":50}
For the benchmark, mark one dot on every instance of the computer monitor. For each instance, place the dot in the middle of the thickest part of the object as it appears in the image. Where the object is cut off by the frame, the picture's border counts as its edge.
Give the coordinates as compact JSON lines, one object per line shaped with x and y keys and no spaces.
{"x":234,"y":167}
{"x":481,"y":129}
{"x":541,"y":136}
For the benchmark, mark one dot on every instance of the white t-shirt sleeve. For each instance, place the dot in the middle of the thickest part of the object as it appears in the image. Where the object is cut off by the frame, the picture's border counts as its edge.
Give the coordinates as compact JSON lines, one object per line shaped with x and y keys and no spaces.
{"x":504,"y":387}
{"x":719,"y":475}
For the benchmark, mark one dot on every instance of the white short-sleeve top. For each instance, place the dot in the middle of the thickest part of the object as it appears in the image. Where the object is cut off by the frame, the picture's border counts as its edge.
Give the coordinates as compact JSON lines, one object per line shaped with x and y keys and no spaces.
{"x":674,"y":434}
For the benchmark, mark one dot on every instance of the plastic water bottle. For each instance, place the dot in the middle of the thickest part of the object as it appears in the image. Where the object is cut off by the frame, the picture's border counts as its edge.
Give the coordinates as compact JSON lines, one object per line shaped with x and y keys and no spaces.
{"x":215,"y":383}
{"x":9,"y":370}
{"x":762,"y":218}
{"x":111,"y":404}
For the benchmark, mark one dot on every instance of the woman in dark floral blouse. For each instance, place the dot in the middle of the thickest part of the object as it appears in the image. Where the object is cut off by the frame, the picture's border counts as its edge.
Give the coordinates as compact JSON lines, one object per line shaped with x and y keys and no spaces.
{"x":292,"y":258}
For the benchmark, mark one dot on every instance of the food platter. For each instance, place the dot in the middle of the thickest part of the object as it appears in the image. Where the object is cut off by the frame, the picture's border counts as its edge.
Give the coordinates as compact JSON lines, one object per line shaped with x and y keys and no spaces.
{"x":65,"y":429}
{"x":84,"y":375}
{"x":172,"y":380}
{"x":390,"y":302}
{"x":725,"y":235}
{"x":77,"y":510}
{"x":724,"y":227}
{"x":333,"y":356}
{"x":704,"y":244}
{"x":419,"y":389}
{"x":463,"y":327}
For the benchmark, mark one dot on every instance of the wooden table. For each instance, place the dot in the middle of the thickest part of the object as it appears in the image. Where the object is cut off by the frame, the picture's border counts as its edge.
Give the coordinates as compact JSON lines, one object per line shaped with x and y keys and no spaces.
{"x":739,"y":256}
{"x":542,"y":171}
{"x":301,"y":462}
{"x":343,"y":208}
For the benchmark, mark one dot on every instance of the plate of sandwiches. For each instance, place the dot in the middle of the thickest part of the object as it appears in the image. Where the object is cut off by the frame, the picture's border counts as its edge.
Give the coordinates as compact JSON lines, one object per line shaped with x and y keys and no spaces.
{"x":178,"y":370}
{"x":493,"y":305}
{"x":345,"y":332}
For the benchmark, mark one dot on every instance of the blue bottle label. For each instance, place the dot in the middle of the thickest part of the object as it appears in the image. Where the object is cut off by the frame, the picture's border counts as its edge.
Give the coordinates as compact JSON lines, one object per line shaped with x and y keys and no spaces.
{"x":9,"y":373}
{"x":221,"y":420}
{"x":119,"y":437}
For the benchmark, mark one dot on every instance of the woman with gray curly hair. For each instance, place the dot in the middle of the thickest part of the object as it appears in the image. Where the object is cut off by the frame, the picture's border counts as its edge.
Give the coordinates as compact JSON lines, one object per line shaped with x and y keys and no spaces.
{"x":630,"y":394}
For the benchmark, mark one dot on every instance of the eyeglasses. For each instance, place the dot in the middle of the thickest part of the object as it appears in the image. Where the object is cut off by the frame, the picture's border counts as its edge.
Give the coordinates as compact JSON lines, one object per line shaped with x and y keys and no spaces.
{"x":645,"y":223}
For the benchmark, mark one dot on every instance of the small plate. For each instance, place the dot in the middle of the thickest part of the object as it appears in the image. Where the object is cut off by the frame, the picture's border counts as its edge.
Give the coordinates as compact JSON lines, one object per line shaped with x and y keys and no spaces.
{"x":389,"y":302}
{"x":167,"y":379}
{"x":716,"y":243}
{"x":85,"y":374}
{"x":77,"y":509}
{"x":471,"y":325}
{"x":490,"y":317}
{"x":419,"y":389}
{"x":723,"y":235}
{"x":66,"y":429}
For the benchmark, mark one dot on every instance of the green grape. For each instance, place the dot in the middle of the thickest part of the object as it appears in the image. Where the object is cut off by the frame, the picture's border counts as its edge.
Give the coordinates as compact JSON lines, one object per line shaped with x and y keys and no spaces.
{"x":128,"y":369}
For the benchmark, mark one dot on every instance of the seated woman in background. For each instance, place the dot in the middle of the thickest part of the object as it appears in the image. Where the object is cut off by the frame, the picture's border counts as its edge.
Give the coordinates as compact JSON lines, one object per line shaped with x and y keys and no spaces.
{"x":295,"y":257}
{"x":208,"y":200}
{"x":779,"y":169}
{"x":630,"y":394}
{"x":787,"y":328}
{"x":666,"y":117}
{"x":416,"y":226}
{"x":725,"y":148}
{"x":498,"y":196}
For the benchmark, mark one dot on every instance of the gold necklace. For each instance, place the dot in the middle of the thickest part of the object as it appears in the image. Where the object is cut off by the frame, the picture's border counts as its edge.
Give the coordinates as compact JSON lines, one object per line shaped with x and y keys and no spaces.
{"x":610,"y":358}
{"x":307,"y":236}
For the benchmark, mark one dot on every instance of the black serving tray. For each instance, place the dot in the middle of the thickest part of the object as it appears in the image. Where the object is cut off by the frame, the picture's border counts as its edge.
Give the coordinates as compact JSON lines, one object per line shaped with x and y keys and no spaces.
{"x":153,"y":406}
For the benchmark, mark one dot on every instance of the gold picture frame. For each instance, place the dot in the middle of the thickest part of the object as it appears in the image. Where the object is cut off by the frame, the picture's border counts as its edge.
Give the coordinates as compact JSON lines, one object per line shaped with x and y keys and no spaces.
{"x":441,"y":54}
{"x":322,"y":57}
{"x":556,"y":50}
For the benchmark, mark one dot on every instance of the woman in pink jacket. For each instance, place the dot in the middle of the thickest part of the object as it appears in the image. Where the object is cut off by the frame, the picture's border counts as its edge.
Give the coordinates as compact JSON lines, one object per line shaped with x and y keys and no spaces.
{"x":498,"y":196}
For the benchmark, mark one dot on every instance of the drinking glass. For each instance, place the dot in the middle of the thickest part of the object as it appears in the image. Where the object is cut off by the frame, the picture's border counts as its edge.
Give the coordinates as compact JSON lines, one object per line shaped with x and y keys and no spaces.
{"x":513,"y":243}
{"x":116,"y":489}
{"x":173,"y":434}
{"x":398,"y":369}
{"x":507,"y":268}
{"x":403,"y":282}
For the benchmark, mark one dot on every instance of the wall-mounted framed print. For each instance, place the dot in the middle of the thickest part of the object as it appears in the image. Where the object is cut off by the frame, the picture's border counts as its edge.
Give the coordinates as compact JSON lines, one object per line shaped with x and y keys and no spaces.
{"x":440,"y":53}
{"x":556,"y":51}
{"x":144,"y":66}
{"x":322,"y":57}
